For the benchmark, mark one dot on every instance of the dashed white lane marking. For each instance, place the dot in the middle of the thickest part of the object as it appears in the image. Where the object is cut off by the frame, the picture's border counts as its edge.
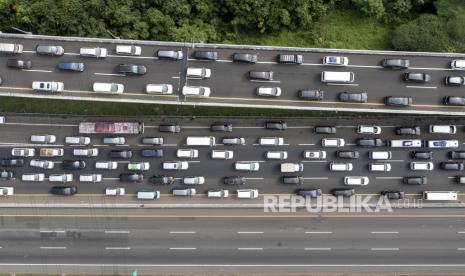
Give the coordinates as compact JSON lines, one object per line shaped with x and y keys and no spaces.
{"x":182,"y":232}
{"x":139,"y":57}
{"x":42,"y":71}
{"x":461,"y":232}
{"x":318,"y":232}
{"x":175,"y":77}
{"x":306,"y":144}
{"x":250,"y":248}
{"x":384,"y":232}
{"x":71,"y":54}
{"x":109,"y":74}
{"x":343,"y":84}
{"x":389,"y":177}
{"x":117,"y":248}
{"x":350,"y":144}
{"x":384,"y":249}
{"x":317,"y":248}
{"x":116,"y":232}
{"x":254,"y":178}
{"x":270,"y":81}
{"x":52,"y":231}
{"x":314,"y":161}
{"x":53,"y":247}
{"x":461,"y":249}
{"x":315,"y":178}
{"x":183,"y":248}
{"x":110,"y":178}
{"x":424,"y":87}
{"x":250,"y":232}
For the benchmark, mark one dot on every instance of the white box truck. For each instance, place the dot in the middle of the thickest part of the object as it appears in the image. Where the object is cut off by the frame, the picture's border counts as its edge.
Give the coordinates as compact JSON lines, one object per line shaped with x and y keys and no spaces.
{"x":291,"y":167}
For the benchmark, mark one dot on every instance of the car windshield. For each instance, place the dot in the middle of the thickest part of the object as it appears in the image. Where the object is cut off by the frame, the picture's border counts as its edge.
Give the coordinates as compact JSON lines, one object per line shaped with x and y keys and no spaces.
{"x":333,"y":59}
{"x":439,"y":143}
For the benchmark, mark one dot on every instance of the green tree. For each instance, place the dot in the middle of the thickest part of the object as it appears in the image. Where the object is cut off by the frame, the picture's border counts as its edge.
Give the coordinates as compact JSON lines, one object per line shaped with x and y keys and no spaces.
{"x":374,"y":8}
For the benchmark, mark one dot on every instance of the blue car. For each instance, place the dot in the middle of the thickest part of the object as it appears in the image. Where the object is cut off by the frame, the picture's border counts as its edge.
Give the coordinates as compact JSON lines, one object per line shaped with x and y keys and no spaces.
{"x":71,"y":66}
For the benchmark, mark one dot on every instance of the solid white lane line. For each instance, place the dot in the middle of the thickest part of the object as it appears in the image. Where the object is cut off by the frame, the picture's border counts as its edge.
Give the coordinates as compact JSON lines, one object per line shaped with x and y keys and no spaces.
{"x":169,"y":145}
{"x":313,"y":161}
{"x":254,"y":178}
{"x":109,"y":74}
{"x":182,"y":232}
{"x":110,"y":178}
{"x":117,"y":248}
{"x":389,"y":177}
{"x":316,"y":178}
{"x":183,"y":248}
{"x":384,"y":232}
{"x":424,"y":87}
{"x":317,"y":248}
{"x":384,"y":249}
{"x":250,"y":248}
{"x":140,"y":57}
{"x":345,"y":84}
{"x":438,"y":69}
{"x":71,"y":54}
{"x":43,"y":71}
{"x":52,"y":231}
{"x":306,"y":144}
{"x":228,"y":60}
{"x":52,"y":247}
{"x":271,"y":81}
{"x":318,"y":232}
{"x":116,"y":232}
{"x":251,"y":232}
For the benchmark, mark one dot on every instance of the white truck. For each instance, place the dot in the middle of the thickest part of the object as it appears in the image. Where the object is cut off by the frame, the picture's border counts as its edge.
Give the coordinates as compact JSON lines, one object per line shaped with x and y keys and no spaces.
{"x":6,"y":191}
{"x":247,"y":193}
{"x":11,"y":48}
{"x":291,"y":167}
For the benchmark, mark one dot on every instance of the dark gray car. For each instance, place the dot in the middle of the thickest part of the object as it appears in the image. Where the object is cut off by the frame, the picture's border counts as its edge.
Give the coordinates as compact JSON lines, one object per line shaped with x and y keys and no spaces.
{"x":293,"y":179}
{"x":276,"y":125}
{"x":415,"y":180}
{"x":245,"y":57}
{"x":370,"y":142}
{"x":152,"y":152}
{"x":309,"y":192}
{"x":422,"y":155}
{"x":348,"y":154}
{"x":152,"y":140}
{"x":64,"y":190}
{"x":261,"y":75}
{"x":50,"y":50}
{"x":169,"y":54}
{"x":398,"y":101}
{"x":343,"y":192}
{"x":123,"y":154}
{"x":457,"y":154}
{"x":162,"y":180}
{"x":221,"y":127}
{"x":395,"y":63}
{"x":353,"y":97}
{"x":415,"y":130}
{"x":131,"y":177}
{"x":325,"y":129}
{"x":206,"y":55}
{"x":451,"y":166}
{"x":234,"y":180}
{"x":6,"y":175}
{"x":453,"y":100}
{"x":131,"y":69}
{"x":312,"y":95}
{"x":393,"y":194}
{"x":169,"y":128}
{"x":416,"y":77}
{"x":12,"y":162}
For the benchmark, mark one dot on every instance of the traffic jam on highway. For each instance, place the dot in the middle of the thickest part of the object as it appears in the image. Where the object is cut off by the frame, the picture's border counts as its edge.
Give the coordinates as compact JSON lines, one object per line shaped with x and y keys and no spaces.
{"x":101,"y":152}
{"x":267,"y":86}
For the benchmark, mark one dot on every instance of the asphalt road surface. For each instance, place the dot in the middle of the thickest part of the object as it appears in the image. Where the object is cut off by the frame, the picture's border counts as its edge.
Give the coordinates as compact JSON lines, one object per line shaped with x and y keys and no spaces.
{"x":229,"y":82}
{"x":298,"y":137}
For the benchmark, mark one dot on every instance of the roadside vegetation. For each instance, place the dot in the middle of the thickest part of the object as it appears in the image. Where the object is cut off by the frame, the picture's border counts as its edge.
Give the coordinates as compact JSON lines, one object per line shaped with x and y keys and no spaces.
{"x":411,"y":25}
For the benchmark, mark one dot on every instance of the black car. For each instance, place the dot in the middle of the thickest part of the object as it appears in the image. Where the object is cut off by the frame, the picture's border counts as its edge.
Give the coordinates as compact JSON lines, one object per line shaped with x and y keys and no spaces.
{"x":19,"y":63}
{"x":312,"y":95}
{"x":12,"y":162}
{"x":415,"y":130}
{"x":457,"y":154}
{"x":325,"y":129}
{"x":398,"y":101}
{"x":276,"y":125}
{"x":261,"y":75}
{"x":370,"y":142}
{"x":64,"y":190}
{"x":454,"y":80}
{"x":245,"y":57}
{"x":415,"y":180}
{"x":221,"y":127}
{"x":452,"y":100}
{"x":393,"y":194}
{"x":152,"y":152}
{"x":451,"y":166}
{"x":395,"y":63}
{"x":309,"y":192}
{"x":74,"y":164}
{"x":123,"y":154}
{"x":353,"y":97}
{"x":6,"y":175}
{"x":234,"y":180}
{"x":291,"y":179}
{"x":422,"y":154}
{"x":169,"y":128}
{"x":343,"y":192}
{"x":206,"y":55}
{"x":131,"y":69}
{"x":162,"y":179}
{"x":416,"y":77}
{"x":131,"y":177}
{"x":347,"y":154}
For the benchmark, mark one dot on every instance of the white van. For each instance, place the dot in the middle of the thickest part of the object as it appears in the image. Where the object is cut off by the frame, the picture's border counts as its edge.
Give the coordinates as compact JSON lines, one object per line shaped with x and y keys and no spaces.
{"x":356,"y":180}
{"x":175,"y":165}
{"x":93,"y":52}
{"x":148,"y":194}
{"x":199,"y":91}
{"x":247,"y":193}
{"x":340,"y":167}
{"x":90,"y":178}
{"x":11,"y":48}
{"x":218,"y":193}
{"x":222,"y":154}
{"x":379,"y":167}
{"x":271,"y":141}
{"x":405,"y":143}
{"x":247,"y":166}
{"x":442,"y":129}
{"x":128,"y":50}
{"x":106,"y":87}
{"x":341,"y":77}
{"x":77,"y":140}
{"x":187,"y":153}
{"x":66,"y":177}
{"x":332,"y":142}
{"x":421,"y":166}
{"x":200,"y":141}
{"x":43,"y":138}
{"x":201,"y":73}
{"x":33,"y":177}
{"x":380,"y":155}
{"x":106,"y":165}
{"x":439,"y":195}
{"x":159,"y":88}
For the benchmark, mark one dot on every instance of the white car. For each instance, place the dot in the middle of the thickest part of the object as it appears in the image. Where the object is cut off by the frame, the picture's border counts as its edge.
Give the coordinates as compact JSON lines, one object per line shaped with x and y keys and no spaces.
{"x":36,"y":177}
{"x":193,"y":180}
{"x":200,"y":91}
{"x":66,"y":177}
{"x":106,"y":165}
{"x":276,"y":155}
{"x":421,"y":166}
{"x":23,"y":152}
{"x":201,"y":73}
{"x":77,"y":140}
{"x":443,"y":144}
{"x":335,"y":60}
{"x":93,"y":52}
{"x":139,"y":166}
{"x":368,"y":129}
{"x":128,"y":50}
{"x":6,"y":191}
{"x":92,"y":152}
{"x":116,"y":191}
{"x":44,"y":164}
{"x":48,"y":86}
{"x":356,"y":180}
{"x":218,"y":193}
{"x":93,"y":178}
{"x":187,"y":153}
{"x":159,"y":88}
{"x":222,"y":154}
{"x":175,"y":165}
{"x":269,"y":91}
{"x":314,"y":154}
{"x":247,"y":166}
{"x":2,"y":119}
{"x":332,"y":142}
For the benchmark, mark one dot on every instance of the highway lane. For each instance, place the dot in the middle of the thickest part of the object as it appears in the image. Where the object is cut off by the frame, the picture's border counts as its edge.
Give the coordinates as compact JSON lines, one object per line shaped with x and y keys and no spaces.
{"x":393,"y":243}
{"x":298,"y":137}
{"x":229,"y":81}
